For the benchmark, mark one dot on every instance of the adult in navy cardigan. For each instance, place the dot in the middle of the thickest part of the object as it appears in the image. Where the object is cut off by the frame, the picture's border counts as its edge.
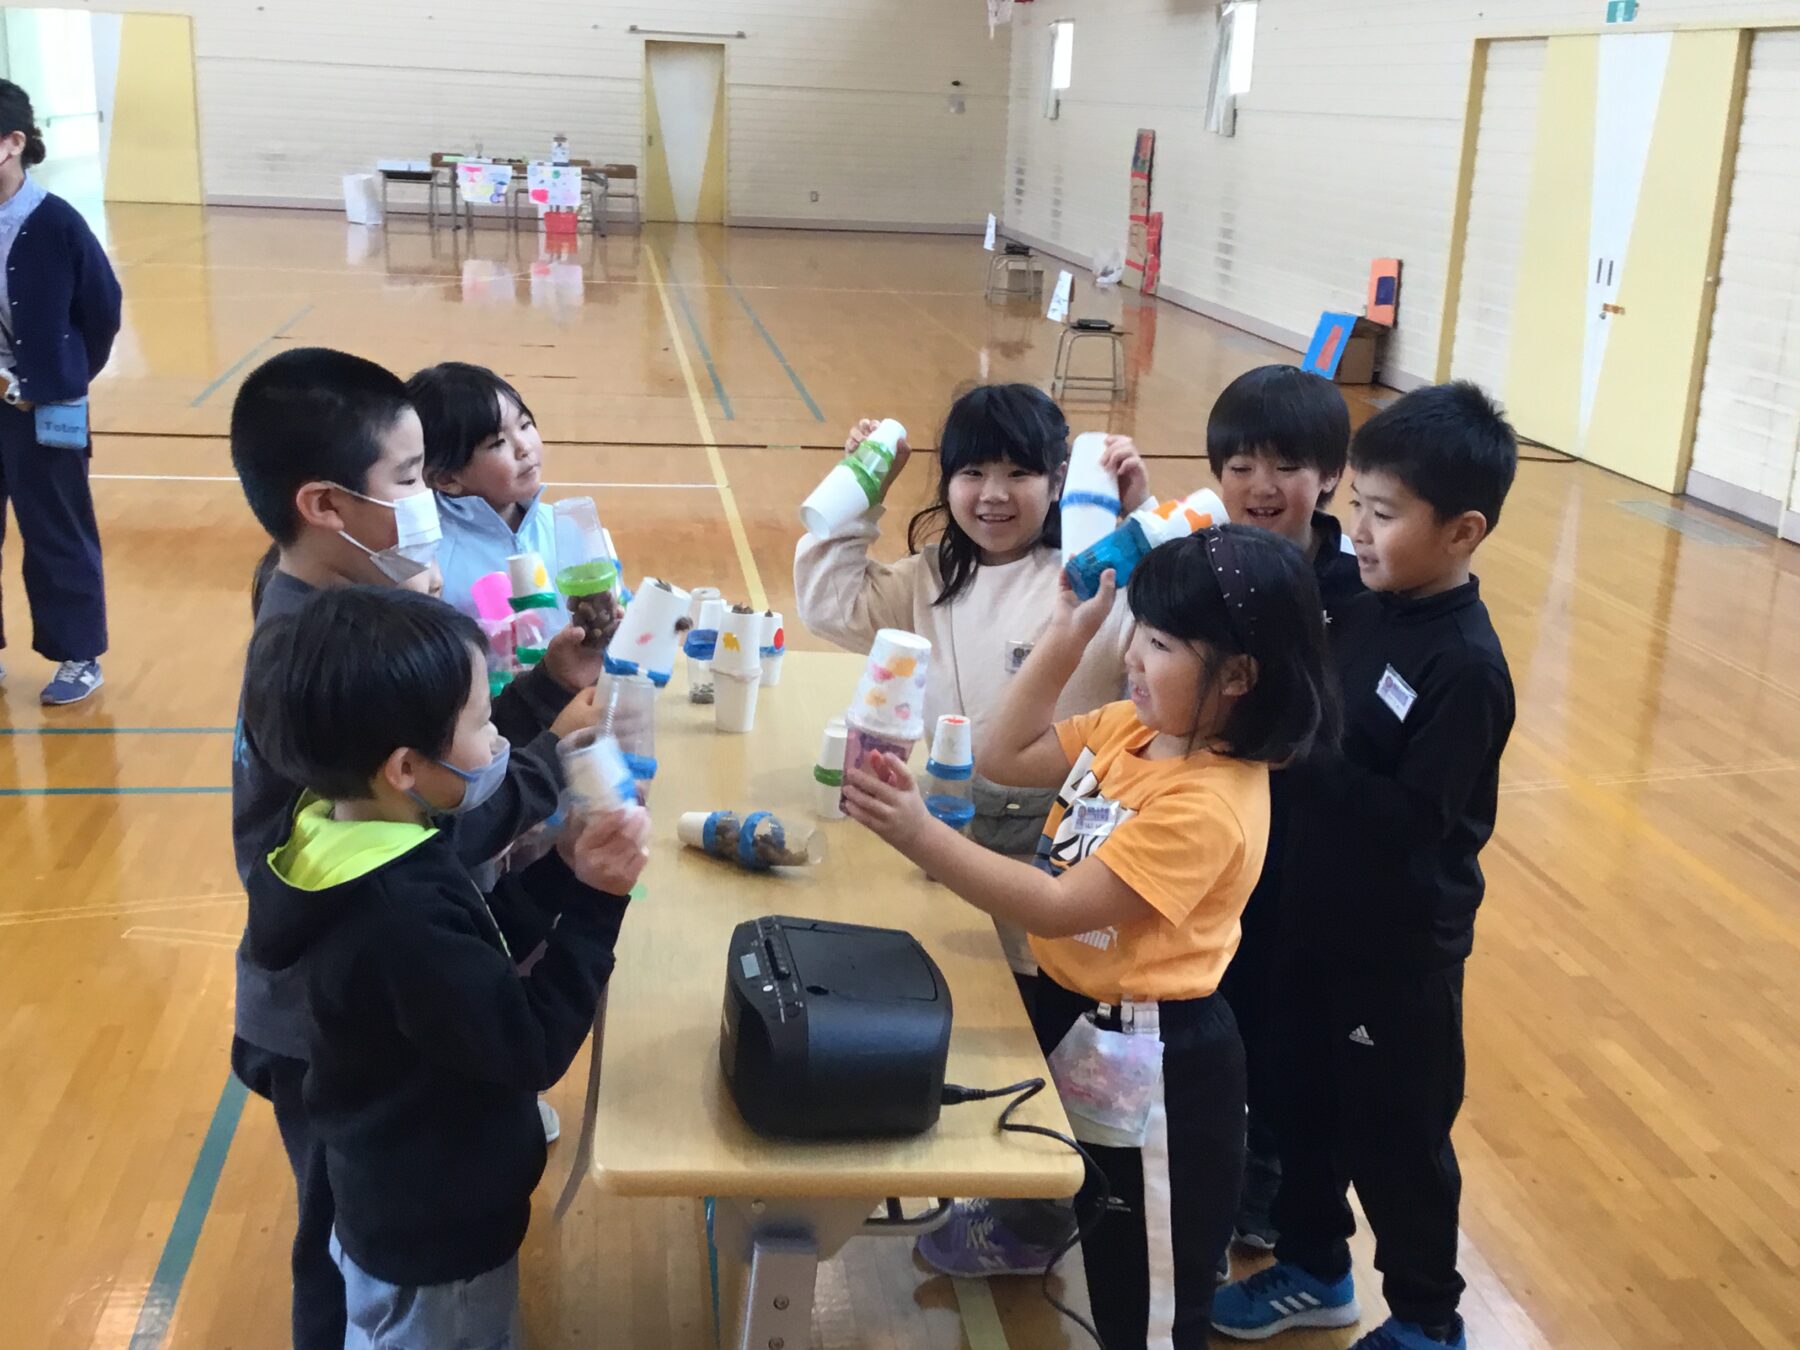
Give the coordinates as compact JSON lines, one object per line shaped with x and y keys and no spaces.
{"x":59,"y":313}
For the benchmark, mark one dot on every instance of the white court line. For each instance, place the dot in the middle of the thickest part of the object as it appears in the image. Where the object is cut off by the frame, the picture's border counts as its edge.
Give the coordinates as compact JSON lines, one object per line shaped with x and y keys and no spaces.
{"x":232,"y":478}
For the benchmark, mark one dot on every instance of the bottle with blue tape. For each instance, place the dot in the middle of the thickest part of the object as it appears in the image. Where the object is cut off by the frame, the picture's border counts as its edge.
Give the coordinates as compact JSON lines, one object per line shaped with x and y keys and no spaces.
{"x":706,"y":611}
{"x":756,"y":842}
{"x":950,"y":773}
{"x":596,"y":775}
{"x":626,"y":708}
{"x":1145,"y":528}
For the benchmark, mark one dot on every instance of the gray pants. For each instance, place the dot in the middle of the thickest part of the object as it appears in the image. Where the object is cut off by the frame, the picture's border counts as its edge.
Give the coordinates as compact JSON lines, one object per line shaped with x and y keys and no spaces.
{"x":477,"y":1314}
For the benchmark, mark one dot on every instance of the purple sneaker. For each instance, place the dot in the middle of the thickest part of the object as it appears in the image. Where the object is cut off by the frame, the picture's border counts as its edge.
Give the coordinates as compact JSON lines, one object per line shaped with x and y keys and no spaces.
{"x":976,"y":1242}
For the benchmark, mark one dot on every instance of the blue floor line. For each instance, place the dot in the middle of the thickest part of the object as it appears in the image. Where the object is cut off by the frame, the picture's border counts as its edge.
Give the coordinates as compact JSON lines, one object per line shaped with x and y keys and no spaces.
{"x":699,"y":341}
{"x":158,"y":1307}
{"x":248,"y":357}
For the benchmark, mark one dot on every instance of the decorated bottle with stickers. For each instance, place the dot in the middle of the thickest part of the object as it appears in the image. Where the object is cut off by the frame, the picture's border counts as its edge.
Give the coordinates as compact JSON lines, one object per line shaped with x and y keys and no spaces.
{"x":888,"y":712}
{"x":1145,"y":528}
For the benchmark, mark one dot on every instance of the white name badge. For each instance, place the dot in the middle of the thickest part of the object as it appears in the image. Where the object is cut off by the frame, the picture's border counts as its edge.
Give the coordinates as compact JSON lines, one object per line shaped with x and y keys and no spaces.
{"x":1095,"y":815}
{"x":1396,"y":693}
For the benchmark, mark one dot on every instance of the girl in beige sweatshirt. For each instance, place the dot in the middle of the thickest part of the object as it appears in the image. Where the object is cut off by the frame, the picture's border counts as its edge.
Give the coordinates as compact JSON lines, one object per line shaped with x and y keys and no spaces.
{"x":980,"y":581}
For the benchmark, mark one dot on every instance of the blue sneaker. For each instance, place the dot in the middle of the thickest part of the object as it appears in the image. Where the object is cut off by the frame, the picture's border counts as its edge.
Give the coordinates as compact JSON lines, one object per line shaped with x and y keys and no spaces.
{"x":1281,"y":1298}
{"x":975,"y":1243}
{"x":1394,"y":1334}
{"x":73,"y":681}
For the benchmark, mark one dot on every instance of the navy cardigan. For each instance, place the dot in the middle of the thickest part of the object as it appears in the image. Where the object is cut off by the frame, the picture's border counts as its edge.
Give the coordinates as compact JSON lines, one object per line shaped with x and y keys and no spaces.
{"x":65,"y":304}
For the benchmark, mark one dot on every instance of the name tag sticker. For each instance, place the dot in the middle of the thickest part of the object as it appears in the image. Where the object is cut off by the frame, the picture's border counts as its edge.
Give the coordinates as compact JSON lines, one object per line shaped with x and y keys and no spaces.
{"x":1095,"y":815}
{"x":1396,"y":693}
{"x":1016,"y":654}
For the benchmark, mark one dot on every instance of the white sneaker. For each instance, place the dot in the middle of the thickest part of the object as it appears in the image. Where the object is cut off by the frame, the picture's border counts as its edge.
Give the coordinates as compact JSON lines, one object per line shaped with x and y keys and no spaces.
{"x":552,"y":1121}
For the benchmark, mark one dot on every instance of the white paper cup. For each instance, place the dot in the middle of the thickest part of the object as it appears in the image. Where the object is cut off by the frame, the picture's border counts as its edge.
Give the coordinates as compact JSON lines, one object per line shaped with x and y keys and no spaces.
{"x":828,"y":799}
{"x":952,"y":744}
{"x":774,"y":647}
{"x":890,"y":695}
{"x":1090,"y":496}
{"x":734,"y":700}
{"x":740,"y":644}
{"x":595,"y":771}
{"x":528,"y":575}
{"x":646,"y":640}
{"x":691,"y":828}
{"x":837,"y":501}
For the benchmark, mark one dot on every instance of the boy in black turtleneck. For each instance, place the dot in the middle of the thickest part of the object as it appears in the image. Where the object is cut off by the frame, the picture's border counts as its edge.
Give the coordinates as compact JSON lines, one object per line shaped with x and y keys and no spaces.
{"x":1381,"y":885}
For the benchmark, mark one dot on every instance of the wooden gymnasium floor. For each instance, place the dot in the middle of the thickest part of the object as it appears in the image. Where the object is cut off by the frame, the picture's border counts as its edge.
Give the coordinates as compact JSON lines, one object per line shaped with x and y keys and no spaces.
{"x":1629,"y":1144}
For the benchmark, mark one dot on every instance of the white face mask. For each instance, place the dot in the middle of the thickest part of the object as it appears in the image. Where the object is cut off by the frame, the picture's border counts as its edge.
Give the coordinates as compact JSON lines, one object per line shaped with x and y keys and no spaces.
{"x":416,"y":535}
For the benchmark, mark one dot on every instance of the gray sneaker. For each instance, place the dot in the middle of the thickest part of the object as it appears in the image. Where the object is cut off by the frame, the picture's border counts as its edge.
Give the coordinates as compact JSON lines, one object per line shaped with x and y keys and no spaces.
{"x":73,"y":681}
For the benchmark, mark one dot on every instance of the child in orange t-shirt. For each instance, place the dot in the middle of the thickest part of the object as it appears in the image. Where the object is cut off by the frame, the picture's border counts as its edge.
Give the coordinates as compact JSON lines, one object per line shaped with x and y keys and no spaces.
{"x":1154,"y":844}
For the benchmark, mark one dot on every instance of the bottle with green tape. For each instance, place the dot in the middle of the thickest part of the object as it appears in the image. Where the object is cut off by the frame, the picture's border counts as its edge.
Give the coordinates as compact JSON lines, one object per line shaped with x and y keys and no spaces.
{"x":587,"y":575}
{"x":535,"y":606}
{"x":828,"y":773}
{"x":854,"y":483}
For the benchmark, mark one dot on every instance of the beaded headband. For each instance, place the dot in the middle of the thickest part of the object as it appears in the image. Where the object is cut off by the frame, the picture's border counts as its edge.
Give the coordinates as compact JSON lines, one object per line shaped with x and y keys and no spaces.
{"x":1221,"y":553}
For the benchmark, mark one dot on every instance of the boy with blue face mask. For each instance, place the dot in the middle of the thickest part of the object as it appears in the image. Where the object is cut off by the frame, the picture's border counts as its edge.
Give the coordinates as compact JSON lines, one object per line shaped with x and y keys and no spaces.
{"x":331,"y":458}
{"x":376,"y":700}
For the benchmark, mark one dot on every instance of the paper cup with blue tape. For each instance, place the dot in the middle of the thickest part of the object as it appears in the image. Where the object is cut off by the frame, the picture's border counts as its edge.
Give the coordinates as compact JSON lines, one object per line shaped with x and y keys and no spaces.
{"x":595,"y":774}
{"x":756,"y":842}
{"x":774,"y":647}
{"x":854,"y":483}
{"x":626,"y":707}
{"x":828,"y":773}
{"x":1090,"y":496}
{"x":650,"y":633}
{"x":706,"y":611}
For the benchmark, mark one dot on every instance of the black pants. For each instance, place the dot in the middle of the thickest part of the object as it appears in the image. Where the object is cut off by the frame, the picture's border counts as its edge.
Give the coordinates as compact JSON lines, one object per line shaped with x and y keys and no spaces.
{"x":1249,"y":987}
{"x":1151,"y":1260}
{"x":318,"y":1314}
{"x":1370,"y":1085}
{"x":48,"y":488}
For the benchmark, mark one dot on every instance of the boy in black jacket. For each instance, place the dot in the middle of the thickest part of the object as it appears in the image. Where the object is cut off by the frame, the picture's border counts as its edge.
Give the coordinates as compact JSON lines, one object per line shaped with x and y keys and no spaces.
{"x":1277,"y":440}
{"x":331,"y":458}
{"x":1381,"y":885}
{"x":425,"y":1046}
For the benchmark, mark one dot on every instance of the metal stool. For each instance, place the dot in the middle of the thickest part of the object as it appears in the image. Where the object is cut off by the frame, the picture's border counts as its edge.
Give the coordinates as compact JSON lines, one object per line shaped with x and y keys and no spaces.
{"x":1009,"y":262}
{"x":1060,"y":379}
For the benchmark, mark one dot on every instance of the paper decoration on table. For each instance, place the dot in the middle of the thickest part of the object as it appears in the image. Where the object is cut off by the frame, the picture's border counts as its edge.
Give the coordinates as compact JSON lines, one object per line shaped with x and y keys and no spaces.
{"x":988,"y":243}
{"x":1060,"y":298}
{"x":483,"y":184}
{"x":553,"y":187}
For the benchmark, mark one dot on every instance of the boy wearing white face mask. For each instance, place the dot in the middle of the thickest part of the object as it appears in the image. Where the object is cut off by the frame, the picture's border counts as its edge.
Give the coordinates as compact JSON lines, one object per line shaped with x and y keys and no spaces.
{"x":376,"y":700}
{"x":331,"y":458}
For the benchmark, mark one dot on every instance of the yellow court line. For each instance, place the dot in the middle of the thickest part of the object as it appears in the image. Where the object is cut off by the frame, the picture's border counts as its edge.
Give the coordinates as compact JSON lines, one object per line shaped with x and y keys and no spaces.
{"x":980,"y":1318}
{"x":733,"y":520}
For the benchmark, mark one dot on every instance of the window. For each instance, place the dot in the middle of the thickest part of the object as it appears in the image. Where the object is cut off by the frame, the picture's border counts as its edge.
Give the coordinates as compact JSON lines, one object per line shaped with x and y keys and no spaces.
{"x":1062,"y":63}
{"x":1234,"y":55}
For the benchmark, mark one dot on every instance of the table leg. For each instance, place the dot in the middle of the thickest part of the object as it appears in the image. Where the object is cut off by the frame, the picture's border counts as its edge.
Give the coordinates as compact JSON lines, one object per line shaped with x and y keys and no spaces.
{"x":769,"y":1254}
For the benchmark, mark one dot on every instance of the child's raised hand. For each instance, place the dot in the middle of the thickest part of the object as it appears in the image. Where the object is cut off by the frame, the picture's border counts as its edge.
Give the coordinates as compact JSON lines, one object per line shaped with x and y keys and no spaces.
{"x":572,"y":661}
{"x":608,"y":849}
{"x":1077,"y":620}
{"x":884,"y":798}
{"x":1121,"y":459}
{"x":902,"y":452}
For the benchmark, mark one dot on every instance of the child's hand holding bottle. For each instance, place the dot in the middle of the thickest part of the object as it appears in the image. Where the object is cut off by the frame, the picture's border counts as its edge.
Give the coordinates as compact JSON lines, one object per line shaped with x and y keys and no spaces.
{"x":609,"y":849}
{"x":1122,"y":461}
{"x":902,"y":451}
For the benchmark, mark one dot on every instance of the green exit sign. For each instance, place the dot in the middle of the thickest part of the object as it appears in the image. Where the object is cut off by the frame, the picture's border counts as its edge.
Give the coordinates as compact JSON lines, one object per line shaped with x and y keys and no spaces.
{"x":1621,"y":11}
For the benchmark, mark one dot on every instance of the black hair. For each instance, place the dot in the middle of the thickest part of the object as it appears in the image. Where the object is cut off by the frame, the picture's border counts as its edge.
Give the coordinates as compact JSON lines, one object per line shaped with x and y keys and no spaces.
{"x":309,"y":415}
{"x":1449,"y":443}
{"x":459,"y":407}
{"x":1018,"y":423}
{"x":16,"y":115}
{"x":1292,"y":708}
{"x":1287,"y":413}
{"x":356,"y":673}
